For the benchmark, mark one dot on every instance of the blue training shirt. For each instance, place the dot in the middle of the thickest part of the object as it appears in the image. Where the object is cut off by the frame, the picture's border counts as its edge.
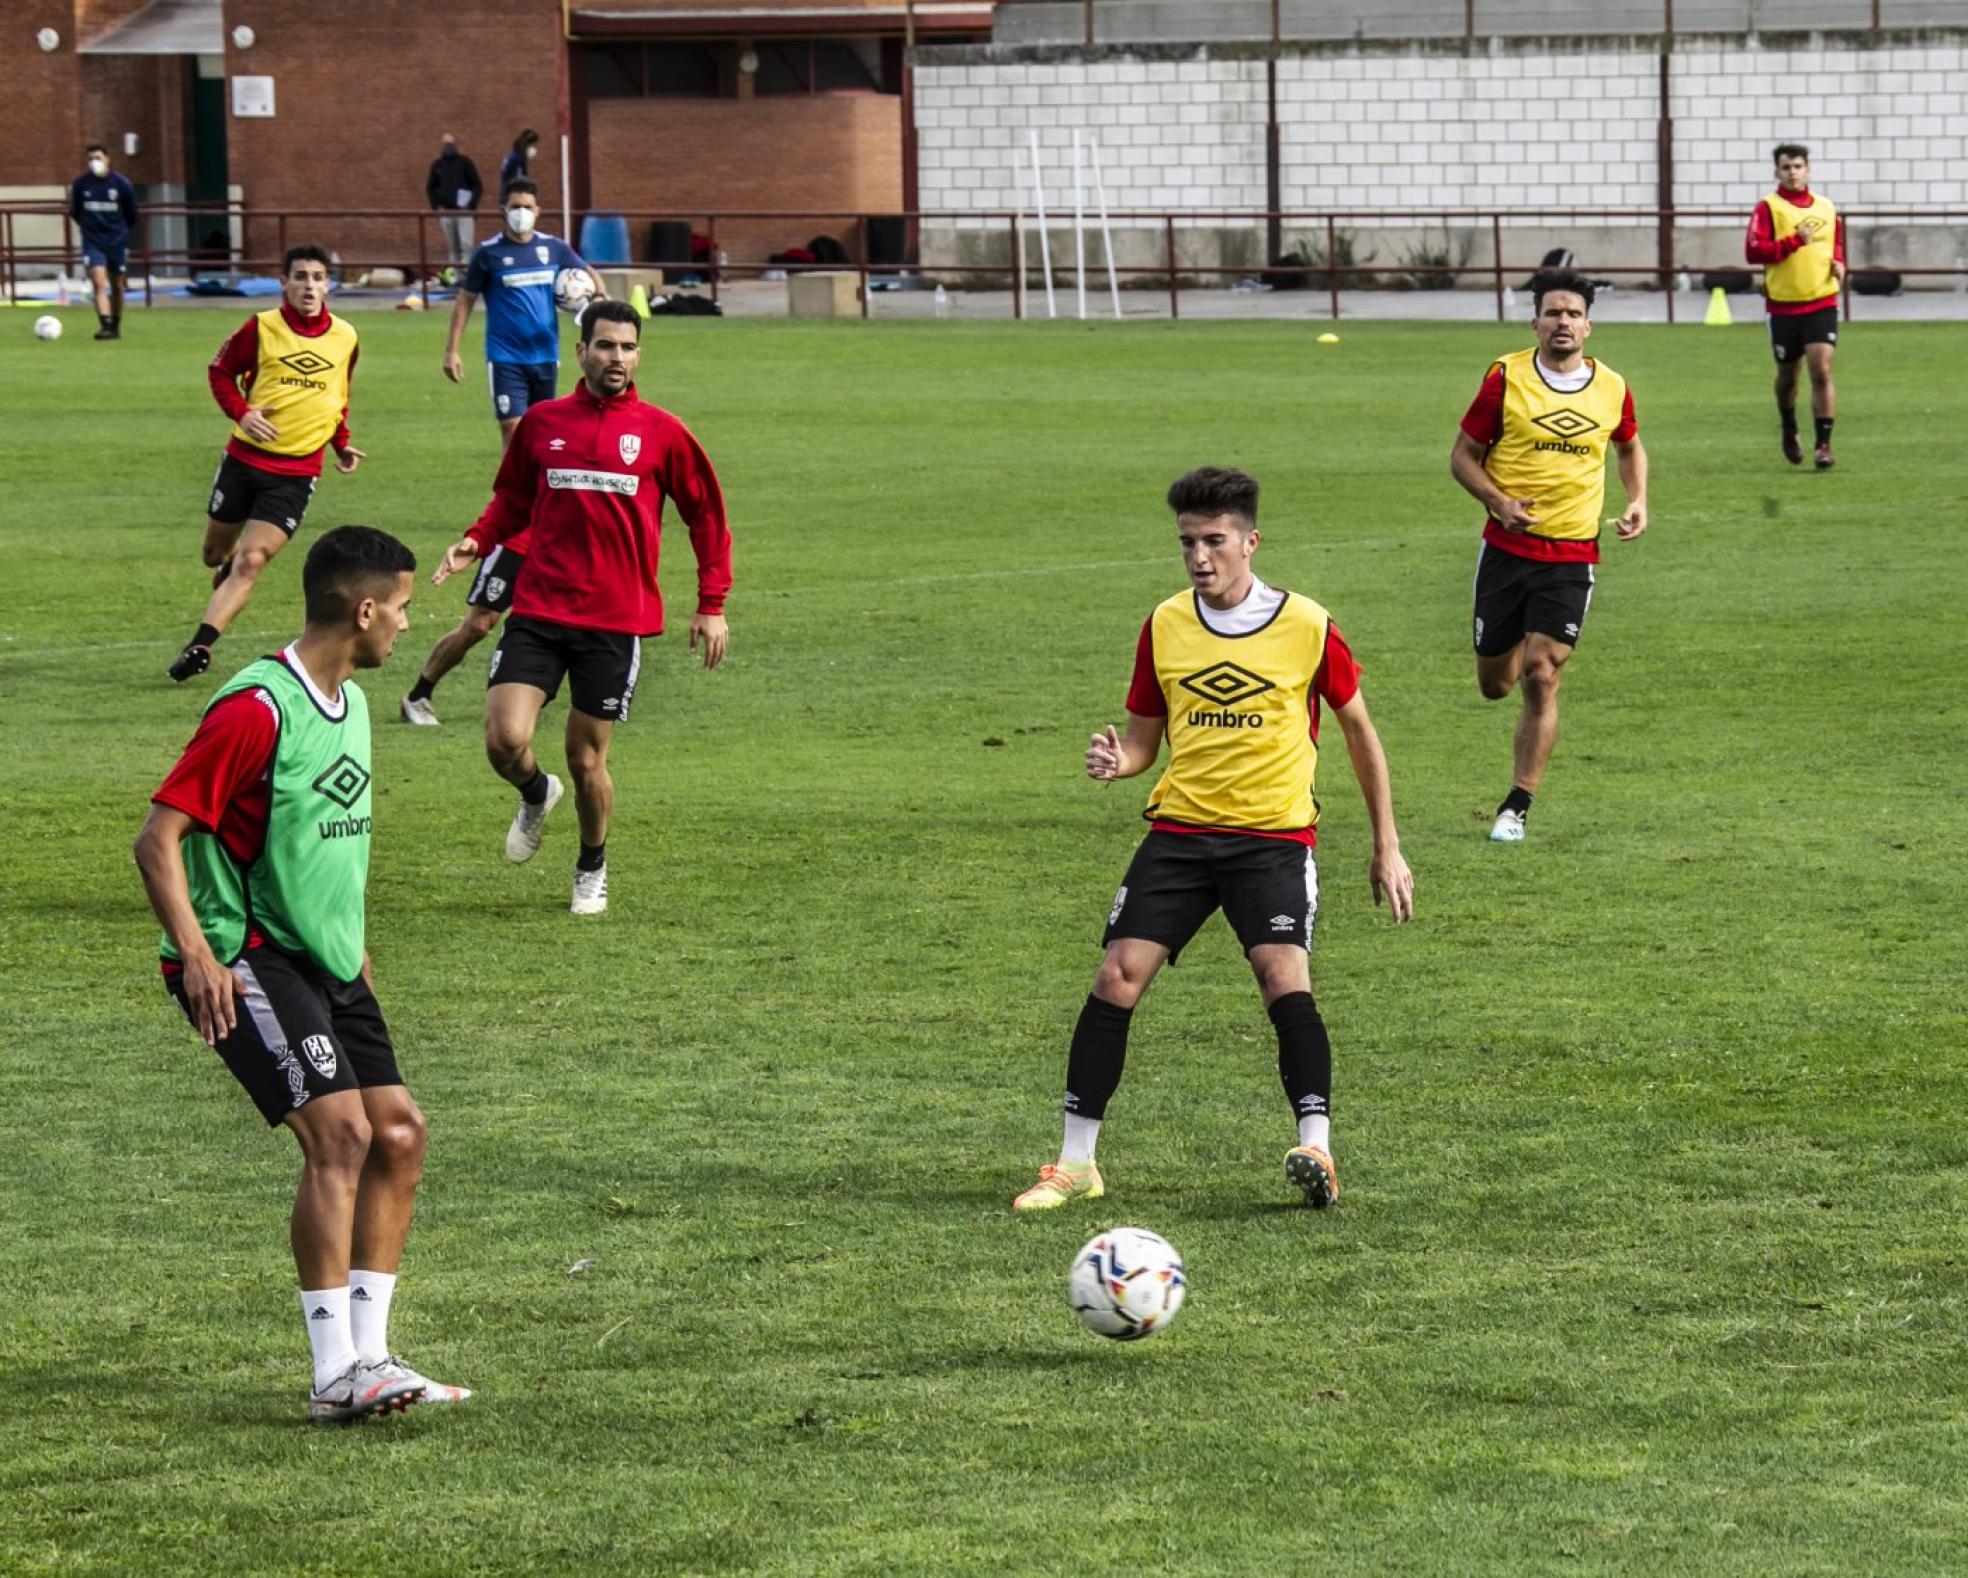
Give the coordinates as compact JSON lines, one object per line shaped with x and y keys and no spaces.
{"x":104,"y":208}
{"x":515,"y":279}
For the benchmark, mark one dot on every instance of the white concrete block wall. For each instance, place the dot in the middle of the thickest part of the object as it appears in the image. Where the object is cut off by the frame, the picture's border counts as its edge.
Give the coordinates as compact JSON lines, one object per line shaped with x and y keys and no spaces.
{"x":1512,"y":124}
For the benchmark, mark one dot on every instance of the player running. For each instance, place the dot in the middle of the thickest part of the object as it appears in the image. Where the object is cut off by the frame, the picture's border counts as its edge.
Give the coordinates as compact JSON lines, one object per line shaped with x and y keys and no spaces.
{"x":283,"y":378}
{"x":256,"y":856}
{"x":1799,"y":239}
{"x":515,"y":273}
{"x":1532,"y":451}
{"x":103,"y":204}
{"x":588,"y":474}
{"x":1233,"y":672}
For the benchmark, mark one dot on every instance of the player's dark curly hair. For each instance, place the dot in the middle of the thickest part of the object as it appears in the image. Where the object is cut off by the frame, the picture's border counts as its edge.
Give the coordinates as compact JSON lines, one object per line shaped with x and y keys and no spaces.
{"x":1790,"y":150}
{"x":348,"y":564}
{"x":519,"y":184}
{"x":306,"y":252}
{"x":1545,"y":281}
{"x":1215,"y":490}
{"x":608,"y":310}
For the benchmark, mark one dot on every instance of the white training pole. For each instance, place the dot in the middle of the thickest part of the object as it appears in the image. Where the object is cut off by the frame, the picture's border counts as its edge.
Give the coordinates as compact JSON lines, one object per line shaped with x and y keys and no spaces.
{"x":1045,"y":241}
{"x":566,"y":195}
{"x":1106,"y":234}
{"x":1079,"y":229}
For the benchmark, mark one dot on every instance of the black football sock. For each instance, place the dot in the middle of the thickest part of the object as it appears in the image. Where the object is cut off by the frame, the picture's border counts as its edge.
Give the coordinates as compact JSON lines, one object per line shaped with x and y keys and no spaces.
{"x":421,"y":691}
{"x":1787,"y":414}
{"x":1823,"y":425}
{"x":534,"y":791}
{"x":205,"y":637}
{"x":593,"y":857}
{"x":103,"y":319}
{"x":1304,"y":1054}
{"x":1518,"y":800}
{"x":1093,"y":1066}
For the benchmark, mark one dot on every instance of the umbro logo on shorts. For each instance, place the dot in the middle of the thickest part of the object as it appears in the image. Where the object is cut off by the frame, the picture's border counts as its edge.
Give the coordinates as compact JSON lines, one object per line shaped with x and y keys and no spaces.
{"x":1283,"y":923}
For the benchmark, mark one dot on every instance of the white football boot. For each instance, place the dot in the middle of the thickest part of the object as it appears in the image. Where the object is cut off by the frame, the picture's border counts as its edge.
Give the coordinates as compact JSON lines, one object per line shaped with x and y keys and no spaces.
{"x":421,"y":712}
{"x":1508,"y":828}
{"x":434,"y":1391}
{"x":590,"y":892}
{"x":364,"y":1389}
{"x":529,"y":825}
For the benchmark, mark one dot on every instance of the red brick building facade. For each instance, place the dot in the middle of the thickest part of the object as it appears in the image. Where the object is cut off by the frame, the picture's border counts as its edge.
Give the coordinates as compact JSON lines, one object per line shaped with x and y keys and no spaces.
{"x":668,"y":108}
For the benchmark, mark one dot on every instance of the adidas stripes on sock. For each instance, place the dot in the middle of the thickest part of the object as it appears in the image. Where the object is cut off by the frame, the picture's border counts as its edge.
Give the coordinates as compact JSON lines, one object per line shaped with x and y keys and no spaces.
{"x":369,"y":1295}
{"x":327,"y":1315}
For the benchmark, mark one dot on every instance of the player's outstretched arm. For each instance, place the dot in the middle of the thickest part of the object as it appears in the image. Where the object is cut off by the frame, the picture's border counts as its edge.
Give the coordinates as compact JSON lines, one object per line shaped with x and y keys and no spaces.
{"x":1387,"y":871}
{"x":456,"y":557}
{"x":209,"y":986}
{"x":1632,"y":461}
{"x":1110,"y":755}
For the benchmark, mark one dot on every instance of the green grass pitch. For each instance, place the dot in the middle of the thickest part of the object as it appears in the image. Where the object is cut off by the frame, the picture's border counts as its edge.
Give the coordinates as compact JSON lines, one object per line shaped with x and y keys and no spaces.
{"x":1656,"y":1218}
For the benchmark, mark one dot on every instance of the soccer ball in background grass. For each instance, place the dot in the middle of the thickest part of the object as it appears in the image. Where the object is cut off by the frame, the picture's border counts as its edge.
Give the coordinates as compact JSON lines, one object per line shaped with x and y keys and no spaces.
{"x":1126,"y":1283}
{"x":47,"y":327}
{"x":573,"y":290}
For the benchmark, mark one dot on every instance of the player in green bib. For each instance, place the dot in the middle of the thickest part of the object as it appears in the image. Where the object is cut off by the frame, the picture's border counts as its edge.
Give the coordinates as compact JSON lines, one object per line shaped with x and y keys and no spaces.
{"x":256,"y":857}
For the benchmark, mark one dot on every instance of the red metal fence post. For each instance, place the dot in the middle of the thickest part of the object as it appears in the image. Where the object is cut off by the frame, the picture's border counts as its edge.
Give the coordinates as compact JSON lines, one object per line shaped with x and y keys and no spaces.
{"x":423,"y":263}
{"x":1332,"y":264}
{"x":1496,"y":259}
{"x":1175,"y":302}
{"x":861,"y":249}
{"x":1017,"y":273}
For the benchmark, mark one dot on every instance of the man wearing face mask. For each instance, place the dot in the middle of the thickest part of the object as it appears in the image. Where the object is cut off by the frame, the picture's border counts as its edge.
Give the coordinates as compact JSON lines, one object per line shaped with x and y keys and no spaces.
{"x":453,"y":189}
{"x":103,"y":205}
{"x":515,"y":273}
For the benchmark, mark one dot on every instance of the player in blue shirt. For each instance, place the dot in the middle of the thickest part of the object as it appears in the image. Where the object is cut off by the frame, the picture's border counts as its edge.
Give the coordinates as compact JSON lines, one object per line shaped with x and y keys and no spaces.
{"x":103,"y":205}
{"x":515,"y":273}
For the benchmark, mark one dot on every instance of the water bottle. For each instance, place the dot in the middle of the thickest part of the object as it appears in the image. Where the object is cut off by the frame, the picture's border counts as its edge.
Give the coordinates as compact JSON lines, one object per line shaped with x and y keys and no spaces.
{"x":1682,"y":282}
{"x":942,"y":302}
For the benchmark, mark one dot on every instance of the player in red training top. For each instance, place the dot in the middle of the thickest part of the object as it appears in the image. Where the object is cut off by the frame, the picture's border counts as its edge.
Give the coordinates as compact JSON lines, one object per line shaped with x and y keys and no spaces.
{"x":586,"y":476}
{"x":1799,"y":239}
{"x":284,"y":379}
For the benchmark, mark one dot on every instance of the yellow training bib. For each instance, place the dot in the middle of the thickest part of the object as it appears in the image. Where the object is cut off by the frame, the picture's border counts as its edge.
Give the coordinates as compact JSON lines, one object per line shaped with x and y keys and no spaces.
{"x":1553,"y":447}
{"x":1806,"y":274}
{"x":1241,"y":753}
{"x":302,"y":384}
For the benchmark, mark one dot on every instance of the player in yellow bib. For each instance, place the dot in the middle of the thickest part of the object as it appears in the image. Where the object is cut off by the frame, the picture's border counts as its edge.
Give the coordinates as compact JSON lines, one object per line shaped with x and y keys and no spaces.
{"x":1799,"y":239}
{"x":283,"y":378}
{"x":1233,"y":673}
{"x":1532,"y":451}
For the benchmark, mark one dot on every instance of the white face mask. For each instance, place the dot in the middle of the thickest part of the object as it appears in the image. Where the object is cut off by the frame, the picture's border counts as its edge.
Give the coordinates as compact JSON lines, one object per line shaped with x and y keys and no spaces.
{"x":99,"y":167}
{"x":519,"y":220}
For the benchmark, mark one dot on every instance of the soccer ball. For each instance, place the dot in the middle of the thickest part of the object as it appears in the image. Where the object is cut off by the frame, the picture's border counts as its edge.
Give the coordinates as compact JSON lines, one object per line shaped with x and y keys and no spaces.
{"x":47,"y":327}
{"x":1126,"y":1283}
{"x":573,"y":290}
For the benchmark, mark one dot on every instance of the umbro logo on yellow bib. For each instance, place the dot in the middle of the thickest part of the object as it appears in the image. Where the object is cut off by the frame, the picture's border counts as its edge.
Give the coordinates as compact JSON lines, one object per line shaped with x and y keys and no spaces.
{"x":1226,"y":684}
{"x":307,"y":363}
{"x":1565,"y":423}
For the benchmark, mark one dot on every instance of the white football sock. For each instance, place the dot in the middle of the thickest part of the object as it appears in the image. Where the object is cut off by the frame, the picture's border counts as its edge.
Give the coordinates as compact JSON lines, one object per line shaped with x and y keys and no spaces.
{"x":369,"y":1313}
{"x":1316,"y":1129}
{"x":327,"y":1317}
{"x":1082,"y":1135}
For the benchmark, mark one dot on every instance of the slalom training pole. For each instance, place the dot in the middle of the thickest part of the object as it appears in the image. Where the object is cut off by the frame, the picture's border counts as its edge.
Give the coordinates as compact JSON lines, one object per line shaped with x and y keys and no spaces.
{"x":1045,"y":241}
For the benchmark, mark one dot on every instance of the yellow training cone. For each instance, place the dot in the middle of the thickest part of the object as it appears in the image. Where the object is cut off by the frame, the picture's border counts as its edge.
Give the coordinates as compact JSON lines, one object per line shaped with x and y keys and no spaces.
{"x":1717,"y":315}
{"x":639,"y":299}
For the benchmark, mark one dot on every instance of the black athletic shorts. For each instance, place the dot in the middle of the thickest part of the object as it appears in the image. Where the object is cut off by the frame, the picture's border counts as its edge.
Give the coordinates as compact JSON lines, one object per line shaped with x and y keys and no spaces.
{"x":1516,"y":596}
{"x":1791,"y":332}
{"x":498,"y":575}
{"x":1267,"y":888}
{"x":245,"y":493}
{"x":599,"y":666}
{"x":300,"y":1033}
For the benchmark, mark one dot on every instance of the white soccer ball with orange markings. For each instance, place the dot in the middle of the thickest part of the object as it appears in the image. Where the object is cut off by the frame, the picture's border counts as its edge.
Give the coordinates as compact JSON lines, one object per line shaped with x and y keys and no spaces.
{"x":47,"y":327}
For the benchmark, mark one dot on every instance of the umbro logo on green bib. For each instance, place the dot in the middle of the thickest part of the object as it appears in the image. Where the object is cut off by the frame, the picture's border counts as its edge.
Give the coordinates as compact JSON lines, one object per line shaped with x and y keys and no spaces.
{"x":344,"y":782}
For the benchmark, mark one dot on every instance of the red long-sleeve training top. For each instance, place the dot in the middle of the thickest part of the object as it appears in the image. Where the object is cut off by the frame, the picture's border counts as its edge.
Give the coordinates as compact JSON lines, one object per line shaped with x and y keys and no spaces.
{"x":589,"y":476}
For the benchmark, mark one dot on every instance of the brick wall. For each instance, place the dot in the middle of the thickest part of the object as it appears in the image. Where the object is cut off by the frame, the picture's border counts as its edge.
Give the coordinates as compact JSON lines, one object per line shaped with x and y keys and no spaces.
{"x":363,"y":93}
{"x":683,"y":157}
{"x":1494,"y":123}
{"x":43,"y":145}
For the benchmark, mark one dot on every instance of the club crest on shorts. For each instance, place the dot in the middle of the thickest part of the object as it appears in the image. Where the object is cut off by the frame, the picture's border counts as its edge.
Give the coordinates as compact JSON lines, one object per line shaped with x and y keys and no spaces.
{"x":631,"y":447}
{"x":320,"y":1051}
